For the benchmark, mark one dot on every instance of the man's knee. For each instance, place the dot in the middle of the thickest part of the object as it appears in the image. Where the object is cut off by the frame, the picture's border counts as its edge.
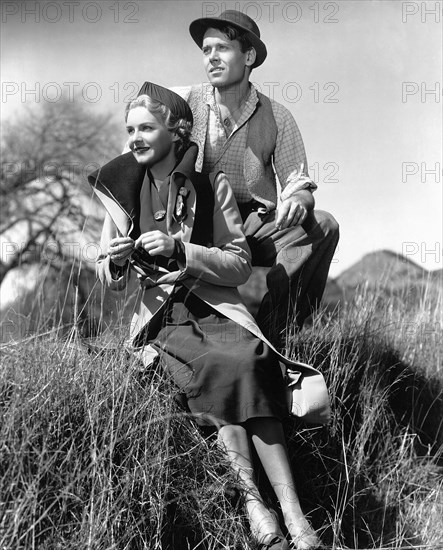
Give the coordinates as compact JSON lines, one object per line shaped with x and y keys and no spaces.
{"x":321,"y":227}
{"x":327,"y":222}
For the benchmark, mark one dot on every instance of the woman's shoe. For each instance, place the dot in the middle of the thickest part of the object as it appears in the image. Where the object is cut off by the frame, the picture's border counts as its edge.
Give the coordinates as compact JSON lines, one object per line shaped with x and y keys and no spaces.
{"x":319,"y":546}
{"x":306,"y":538}
{"x":308,"y":541}
{"x":273,"y":541}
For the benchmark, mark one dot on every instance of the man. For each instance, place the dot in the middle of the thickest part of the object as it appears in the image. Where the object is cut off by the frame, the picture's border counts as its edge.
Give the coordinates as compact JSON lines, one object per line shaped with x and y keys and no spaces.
{"x":256,"y":141}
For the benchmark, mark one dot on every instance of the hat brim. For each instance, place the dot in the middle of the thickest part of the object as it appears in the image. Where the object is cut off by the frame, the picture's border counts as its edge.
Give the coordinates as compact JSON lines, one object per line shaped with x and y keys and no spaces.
{"x":198,"y":28}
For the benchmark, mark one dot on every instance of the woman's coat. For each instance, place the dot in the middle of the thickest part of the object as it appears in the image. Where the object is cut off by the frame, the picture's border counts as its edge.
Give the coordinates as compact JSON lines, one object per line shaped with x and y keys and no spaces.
{"x":211,"y":273}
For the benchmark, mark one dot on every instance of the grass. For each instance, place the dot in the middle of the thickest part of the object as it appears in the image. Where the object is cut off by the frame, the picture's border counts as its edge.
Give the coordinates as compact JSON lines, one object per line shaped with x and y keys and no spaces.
{"x":95,"y":453}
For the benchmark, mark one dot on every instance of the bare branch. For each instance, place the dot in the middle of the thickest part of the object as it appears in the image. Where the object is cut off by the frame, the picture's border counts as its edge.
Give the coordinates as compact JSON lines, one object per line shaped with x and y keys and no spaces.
{"x":44,"y":155}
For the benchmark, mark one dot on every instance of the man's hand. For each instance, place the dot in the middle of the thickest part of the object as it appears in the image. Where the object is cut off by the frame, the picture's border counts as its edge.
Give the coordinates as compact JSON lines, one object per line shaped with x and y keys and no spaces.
{"x":120,"y":250}
{"x":156,"y":243}
{"x":293,"y":210}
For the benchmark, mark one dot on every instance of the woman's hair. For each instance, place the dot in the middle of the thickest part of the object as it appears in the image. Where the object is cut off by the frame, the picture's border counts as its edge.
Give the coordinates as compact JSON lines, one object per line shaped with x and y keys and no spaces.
{"x":181,"y":127}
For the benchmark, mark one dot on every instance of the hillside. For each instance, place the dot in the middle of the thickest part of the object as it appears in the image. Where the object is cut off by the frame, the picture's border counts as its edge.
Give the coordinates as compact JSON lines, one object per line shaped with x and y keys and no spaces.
{"x":382,"y":267}
{"x":390,"y":275}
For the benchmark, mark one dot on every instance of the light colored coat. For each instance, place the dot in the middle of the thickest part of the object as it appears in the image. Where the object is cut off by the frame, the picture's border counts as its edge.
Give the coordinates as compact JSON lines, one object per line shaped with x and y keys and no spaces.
{"x":212,"y":274}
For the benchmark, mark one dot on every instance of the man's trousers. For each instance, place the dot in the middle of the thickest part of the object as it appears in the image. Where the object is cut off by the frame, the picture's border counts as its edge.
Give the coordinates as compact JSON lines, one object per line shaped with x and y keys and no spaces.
{"x":299,"y":258}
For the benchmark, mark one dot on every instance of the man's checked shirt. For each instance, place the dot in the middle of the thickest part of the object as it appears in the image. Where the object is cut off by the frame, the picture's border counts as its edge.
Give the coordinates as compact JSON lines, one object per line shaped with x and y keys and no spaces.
{"x":290,"y":163}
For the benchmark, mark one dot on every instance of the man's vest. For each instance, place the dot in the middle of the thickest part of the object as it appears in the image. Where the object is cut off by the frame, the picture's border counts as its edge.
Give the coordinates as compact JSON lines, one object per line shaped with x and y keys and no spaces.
{"x":260,"y":142}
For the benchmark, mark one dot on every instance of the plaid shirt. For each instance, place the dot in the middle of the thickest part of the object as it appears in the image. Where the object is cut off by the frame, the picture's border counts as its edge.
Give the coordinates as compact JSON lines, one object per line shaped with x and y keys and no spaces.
{"x":290,"y":163}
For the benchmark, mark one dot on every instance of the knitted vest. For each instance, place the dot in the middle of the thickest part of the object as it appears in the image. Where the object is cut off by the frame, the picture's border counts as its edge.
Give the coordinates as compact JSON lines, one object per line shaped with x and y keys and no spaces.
{"x":260,"y":143}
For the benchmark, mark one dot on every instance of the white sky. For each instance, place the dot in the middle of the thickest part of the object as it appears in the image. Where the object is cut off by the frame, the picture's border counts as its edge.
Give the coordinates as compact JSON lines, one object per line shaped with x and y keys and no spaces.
{"x":362,"y":79}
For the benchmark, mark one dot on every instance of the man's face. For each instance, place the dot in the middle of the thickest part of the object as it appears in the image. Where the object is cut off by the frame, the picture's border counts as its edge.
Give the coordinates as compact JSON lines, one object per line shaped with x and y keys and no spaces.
{"x":224,"y":62}
{"x":149,"y":140}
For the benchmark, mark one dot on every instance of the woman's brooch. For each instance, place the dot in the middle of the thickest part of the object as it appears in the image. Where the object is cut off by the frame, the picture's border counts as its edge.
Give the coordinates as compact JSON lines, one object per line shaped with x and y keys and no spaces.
{"x":180,"y":212}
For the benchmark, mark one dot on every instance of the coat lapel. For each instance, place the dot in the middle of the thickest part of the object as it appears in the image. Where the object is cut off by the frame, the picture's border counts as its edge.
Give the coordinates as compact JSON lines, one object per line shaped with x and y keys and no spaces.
{"x":117,"y":184}
{"x":181,"y":177}
{"x":119,"y":216}
{"x":186,"y":226}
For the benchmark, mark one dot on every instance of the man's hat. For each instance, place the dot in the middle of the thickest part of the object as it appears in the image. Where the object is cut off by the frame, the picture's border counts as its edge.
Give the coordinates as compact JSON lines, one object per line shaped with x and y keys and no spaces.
{"x":173,"y":101}
{"x":236,"y":19}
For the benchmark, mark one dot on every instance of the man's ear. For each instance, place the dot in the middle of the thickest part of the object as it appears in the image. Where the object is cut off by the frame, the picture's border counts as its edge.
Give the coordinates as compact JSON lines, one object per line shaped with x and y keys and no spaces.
{"x":251,"y":55}
{"x":175,"y":137}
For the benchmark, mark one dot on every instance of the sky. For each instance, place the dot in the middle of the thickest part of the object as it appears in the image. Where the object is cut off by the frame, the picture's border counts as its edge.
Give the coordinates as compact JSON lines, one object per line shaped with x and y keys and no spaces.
{"x":362,"y":79}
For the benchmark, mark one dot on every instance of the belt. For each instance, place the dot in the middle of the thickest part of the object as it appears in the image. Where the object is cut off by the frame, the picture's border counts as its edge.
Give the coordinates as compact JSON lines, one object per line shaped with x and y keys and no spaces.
{"x":247,"y":208}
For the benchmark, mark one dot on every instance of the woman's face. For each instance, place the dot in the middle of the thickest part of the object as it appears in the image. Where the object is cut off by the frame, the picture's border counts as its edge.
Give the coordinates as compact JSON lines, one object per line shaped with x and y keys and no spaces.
{"x":149,"y":140}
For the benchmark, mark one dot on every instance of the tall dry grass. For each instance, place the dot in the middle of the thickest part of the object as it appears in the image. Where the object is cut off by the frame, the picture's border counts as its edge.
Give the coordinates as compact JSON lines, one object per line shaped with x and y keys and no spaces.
{"x":95,"y":453}
{"x":378,"y":468}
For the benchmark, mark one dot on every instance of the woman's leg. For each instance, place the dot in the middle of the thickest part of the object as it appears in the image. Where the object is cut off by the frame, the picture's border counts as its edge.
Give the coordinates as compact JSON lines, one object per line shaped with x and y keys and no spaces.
{"x":269,"y":441}
{"x":235,"y":442}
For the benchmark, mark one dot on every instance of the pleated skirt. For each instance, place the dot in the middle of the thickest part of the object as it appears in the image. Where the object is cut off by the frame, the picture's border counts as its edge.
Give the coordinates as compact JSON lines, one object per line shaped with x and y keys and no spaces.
{"x":226,"y":374}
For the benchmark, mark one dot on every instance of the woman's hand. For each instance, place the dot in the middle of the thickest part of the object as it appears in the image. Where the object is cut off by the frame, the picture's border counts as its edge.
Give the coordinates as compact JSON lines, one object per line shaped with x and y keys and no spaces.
{"x":120,"y":250}
{"x":156,"y":243}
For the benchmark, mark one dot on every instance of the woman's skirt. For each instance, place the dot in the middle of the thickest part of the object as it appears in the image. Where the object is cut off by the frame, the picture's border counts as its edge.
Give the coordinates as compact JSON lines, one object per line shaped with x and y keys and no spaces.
{"x":227,"y":374}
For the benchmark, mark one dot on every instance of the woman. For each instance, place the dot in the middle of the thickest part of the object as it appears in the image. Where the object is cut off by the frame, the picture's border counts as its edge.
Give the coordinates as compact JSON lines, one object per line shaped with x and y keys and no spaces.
{"x":180,"y":233}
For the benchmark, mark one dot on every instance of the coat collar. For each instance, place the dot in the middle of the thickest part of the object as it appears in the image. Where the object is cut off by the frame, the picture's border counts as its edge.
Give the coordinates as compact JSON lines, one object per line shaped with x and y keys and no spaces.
{"x":118,"y":184}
